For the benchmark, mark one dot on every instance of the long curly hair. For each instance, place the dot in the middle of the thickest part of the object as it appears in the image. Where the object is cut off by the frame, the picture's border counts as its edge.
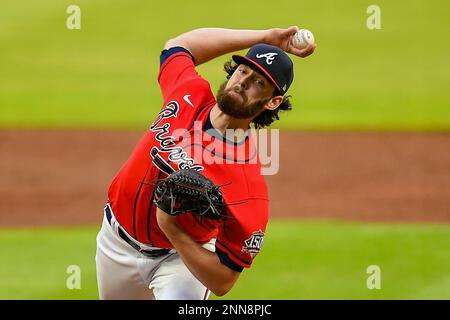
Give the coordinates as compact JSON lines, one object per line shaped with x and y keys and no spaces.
{"x":267,"y":117}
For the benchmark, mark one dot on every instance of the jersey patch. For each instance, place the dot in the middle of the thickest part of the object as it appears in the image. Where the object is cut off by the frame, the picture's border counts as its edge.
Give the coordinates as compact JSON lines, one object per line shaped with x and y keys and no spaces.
{"x":254,"y":243}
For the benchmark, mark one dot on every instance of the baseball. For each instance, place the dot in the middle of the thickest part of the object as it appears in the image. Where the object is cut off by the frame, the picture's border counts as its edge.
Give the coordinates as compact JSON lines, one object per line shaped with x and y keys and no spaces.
{"x":302,"y":38}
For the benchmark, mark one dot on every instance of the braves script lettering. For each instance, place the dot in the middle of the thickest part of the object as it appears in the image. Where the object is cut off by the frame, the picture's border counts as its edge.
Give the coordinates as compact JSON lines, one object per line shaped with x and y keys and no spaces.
{"x":167,"y":141}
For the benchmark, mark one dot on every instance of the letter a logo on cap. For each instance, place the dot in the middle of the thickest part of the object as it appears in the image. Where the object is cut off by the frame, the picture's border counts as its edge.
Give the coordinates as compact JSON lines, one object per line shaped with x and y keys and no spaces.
{"x":280,"y":73}
{"x":270,"y":56}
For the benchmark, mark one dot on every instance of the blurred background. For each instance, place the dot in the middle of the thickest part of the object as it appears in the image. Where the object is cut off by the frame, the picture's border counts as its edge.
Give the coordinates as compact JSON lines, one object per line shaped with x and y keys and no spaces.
{"x":364,"y":173}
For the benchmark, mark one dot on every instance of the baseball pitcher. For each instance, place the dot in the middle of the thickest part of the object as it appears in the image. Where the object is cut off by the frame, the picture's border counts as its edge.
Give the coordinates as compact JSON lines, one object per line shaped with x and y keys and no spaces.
{"x":188,"y":210}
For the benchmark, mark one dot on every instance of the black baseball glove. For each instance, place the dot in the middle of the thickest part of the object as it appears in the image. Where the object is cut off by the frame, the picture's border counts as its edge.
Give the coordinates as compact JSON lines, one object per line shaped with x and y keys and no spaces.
{"x":188,"y":191}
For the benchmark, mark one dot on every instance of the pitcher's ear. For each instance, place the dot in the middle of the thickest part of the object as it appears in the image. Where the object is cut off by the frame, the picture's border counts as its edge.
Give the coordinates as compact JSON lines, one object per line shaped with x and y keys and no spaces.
{"x":274,"y":103}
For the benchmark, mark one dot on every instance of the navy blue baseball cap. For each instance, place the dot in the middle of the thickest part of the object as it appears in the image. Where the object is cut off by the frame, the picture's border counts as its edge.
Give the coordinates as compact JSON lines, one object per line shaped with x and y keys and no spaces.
{"x":271,"y":61}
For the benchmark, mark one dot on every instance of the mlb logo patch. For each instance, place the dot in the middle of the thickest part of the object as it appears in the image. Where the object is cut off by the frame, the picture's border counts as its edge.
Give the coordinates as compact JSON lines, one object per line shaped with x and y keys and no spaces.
{"x":254,"y":243}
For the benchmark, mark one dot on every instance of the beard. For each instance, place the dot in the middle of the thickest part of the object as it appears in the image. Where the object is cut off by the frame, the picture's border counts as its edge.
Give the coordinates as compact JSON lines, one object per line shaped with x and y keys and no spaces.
{"x":234,"y":103}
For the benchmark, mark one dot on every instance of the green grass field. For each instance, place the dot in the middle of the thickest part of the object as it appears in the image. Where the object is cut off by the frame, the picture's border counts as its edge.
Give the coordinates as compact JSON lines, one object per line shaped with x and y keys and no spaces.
{"x":300,"y":260}
{"x":104,"y":75}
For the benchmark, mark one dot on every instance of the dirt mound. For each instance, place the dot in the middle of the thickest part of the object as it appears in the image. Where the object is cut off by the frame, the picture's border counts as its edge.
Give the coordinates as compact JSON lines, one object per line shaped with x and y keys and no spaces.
{"x":62,"y":177}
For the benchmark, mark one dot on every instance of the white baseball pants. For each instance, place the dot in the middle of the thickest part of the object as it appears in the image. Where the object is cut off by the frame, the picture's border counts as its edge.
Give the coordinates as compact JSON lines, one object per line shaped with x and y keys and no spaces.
{"x":123,"y":273}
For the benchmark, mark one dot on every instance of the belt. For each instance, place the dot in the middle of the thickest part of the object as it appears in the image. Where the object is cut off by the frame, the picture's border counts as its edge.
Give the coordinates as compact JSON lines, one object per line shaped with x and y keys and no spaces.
{"x":146,"y":252}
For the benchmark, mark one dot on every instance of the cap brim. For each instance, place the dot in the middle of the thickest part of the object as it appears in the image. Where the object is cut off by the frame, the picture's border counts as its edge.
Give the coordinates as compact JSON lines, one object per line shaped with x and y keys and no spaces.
{"x":244,"y":60}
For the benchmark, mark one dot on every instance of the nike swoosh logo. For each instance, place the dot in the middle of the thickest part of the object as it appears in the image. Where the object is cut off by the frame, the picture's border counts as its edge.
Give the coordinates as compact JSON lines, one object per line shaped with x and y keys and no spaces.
{"x":186,"y":98}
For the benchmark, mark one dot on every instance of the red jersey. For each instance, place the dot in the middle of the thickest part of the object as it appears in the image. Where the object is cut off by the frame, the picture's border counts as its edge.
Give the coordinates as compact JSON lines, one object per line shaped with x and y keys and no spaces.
{"x":180,"y":137}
